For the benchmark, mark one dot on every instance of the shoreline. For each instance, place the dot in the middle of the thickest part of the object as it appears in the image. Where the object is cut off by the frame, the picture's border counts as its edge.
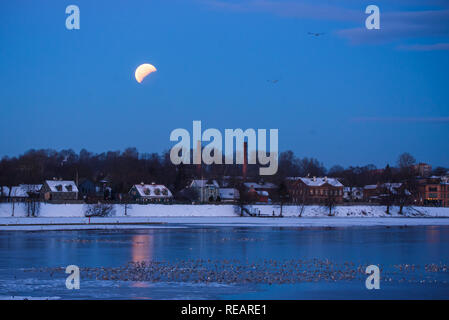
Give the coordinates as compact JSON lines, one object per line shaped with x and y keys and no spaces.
{"x":135,"y":223}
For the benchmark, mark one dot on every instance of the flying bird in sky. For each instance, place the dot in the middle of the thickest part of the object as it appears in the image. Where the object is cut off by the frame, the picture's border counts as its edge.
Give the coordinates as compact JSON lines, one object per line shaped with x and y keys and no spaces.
{"x":316,"y":34}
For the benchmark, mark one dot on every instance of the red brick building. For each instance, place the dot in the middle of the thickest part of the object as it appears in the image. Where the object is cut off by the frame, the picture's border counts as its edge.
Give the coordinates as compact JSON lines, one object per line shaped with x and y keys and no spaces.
{"x":445,"y":192}
{"x":262,"y":191}
{"x":433,"y":191}
{"x":314,"y":190}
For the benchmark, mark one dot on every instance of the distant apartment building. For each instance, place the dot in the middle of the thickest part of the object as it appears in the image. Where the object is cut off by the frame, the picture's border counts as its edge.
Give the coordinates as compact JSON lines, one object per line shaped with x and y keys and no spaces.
{"x":423,"y":169}
{"x":314,"y":190}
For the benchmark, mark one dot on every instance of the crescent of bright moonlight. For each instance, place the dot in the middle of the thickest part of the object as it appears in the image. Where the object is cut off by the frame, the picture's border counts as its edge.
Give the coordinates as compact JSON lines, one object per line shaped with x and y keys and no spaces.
{"x":143,"y":70}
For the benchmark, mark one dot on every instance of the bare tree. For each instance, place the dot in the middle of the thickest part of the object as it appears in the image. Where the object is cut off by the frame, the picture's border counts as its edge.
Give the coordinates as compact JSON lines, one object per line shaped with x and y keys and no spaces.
{"x":301,"y":202}
{"x":12,"y":200}
{"x":243,"y":200}
{"x":98,"y":210}
{"x":387,"y":198}
{"x":282,"y":195}
{"x":403,"y":199}
{"x":32,"y":206}
{"x":330,"y":202}
{"x":32,"y":202}
{"x":8,"y":178}
{"x":406,"y":162}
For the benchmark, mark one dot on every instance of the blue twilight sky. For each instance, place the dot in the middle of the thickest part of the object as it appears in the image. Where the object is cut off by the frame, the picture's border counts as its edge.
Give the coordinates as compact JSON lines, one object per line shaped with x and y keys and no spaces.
{"x":351,"y":96}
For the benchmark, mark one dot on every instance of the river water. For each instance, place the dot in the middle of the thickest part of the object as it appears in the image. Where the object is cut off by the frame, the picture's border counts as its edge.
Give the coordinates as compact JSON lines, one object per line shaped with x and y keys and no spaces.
{"x":198,"y":262}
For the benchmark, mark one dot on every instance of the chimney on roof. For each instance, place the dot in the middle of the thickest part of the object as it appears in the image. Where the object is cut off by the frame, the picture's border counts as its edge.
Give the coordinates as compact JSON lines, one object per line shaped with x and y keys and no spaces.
{"x":325,"y":179}
{"x":153,"y":183}
{"x":142,"y":184}
{"x":314,"y":178}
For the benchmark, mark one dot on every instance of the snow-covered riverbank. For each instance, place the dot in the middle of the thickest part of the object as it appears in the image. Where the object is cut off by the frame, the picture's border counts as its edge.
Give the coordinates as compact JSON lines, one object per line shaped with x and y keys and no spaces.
{"x":223,"y":210}
{"x":71,"y":217}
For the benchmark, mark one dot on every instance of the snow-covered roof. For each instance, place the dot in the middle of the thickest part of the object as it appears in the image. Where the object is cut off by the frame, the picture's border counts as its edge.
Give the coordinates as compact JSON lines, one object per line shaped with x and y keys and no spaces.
{"x":201,"y":183}
{"x":392,"y":185}
{"x":18,"y":192}
{"x":265,"y":185}
{"x":229,"y":193}
{"x":62,"y":186}
{"x":21,"y":191}
{"x":388,"y":185}
{"x":31,"y":187}
{"x":353,"y":188}
{"x":319,"y":181}
{"x":153,"y":191}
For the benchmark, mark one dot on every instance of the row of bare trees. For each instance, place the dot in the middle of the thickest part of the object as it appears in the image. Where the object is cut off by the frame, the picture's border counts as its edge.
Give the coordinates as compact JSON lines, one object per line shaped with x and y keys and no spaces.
{"x":128,"y":167}
{"x":123,"y":169}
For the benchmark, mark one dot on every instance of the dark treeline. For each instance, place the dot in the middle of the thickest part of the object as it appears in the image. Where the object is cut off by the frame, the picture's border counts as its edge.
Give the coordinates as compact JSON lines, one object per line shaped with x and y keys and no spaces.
{"x":123,"y":169}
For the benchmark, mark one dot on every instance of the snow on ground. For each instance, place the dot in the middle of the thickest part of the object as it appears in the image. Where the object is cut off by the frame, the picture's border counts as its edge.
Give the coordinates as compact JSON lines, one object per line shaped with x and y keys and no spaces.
{"x":71,"y":216}
{"x":136,"y":210}
{"x":223,"y":210}
{"x":354,"y":211}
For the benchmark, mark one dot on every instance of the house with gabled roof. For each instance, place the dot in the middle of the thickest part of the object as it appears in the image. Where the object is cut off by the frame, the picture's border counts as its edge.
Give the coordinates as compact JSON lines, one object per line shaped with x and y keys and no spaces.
{"x":59,"y":190}
{"x":208,"y":190}
{"x":146,"y":193}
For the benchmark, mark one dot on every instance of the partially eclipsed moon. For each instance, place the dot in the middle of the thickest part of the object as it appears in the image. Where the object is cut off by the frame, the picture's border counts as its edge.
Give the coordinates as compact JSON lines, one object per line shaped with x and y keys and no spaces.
{"x":143,"y":70}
